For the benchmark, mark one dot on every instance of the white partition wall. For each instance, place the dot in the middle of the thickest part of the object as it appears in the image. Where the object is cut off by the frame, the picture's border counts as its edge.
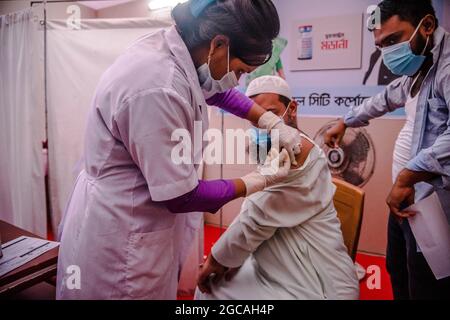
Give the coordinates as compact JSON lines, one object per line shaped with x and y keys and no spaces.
{"x":76,"y":59}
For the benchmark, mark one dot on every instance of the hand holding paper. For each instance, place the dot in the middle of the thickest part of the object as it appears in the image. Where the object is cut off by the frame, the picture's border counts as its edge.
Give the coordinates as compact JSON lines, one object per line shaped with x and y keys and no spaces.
{"x":432,"y":232}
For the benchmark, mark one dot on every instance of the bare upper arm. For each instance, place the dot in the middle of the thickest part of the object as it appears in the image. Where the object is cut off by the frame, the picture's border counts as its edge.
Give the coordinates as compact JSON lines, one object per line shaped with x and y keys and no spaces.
{"x":307,"y":146}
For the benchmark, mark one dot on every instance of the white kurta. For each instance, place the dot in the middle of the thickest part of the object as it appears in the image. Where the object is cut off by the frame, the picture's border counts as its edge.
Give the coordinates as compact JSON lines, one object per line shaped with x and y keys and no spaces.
{"x":126,"y":244}
{"x":289,"y":242}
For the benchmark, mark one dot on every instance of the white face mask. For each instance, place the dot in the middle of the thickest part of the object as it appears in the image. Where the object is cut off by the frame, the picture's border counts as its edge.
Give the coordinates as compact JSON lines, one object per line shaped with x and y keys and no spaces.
{"x":211,"y":86}
{"x":284,"y":114}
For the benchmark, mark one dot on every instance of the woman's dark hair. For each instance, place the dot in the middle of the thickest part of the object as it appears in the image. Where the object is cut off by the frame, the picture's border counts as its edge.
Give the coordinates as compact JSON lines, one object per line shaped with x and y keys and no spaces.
{"x":251,"y":26}
{"x":412,"y":11}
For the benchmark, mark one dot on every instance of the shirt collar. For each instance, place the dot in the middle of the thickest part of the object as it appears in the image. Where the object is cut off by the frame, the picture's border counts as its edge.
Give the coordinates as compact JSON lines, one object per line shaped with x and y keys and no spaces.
{"x":438,"y":35}
{"x":182,"y":55}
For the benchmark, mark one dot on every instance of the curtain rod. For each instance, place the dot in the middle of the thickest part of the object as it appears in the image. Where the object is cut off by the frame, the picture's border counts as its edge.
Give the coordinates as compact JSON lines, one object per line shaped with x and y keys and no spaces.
{"x":51,"y":1}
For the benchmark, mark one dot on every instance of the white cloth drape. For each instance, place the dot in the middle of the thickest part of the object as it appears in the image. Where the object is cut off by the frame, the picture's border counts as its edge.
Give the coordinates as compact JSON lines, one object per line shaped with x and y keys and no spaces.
{"x":76,"y":59}
{"x":22,"y":125}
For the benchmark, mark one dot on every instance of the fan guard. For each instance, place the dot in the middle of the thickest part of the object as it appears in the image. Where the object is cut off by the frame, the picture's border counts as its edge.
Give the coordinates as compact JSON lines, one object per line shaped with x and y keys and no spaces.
{"x":354,"y":161}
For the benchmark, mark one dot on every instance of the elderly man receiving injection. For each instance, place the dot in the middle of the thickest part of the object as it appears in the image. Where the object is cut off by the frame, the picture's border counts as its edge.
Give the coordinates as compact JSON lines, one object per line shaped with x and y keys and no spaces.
{"x":286,"y":243}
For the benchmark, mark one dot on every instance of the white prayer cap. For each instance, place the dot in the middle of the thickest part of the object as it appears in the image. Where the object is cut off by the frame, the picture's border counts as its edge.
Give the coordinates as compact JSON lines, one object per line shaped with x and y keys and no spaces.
{"x":269,"y":84}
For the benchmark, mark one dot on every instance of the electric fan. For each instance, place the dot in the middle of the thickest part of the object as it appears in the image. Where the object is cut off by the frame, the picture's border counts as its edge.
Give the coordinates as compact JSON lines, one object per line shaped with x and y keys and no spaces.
{"x":354,"y":160}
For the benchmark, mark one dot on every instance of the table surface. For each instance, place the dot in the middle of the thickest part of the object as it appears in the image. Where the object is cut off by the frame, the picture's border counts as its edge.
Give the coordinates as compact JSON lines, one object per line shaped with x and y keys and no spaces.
{"x":9,"y":232}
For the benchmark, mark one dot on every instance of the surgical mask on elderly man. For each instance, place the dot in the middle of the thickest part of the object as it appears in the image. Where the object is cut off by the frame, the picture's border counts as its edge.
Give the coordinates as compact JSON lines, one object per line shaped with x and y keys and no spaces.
{"x":262,"y":140}
{"x":400,"y":59}
{"x":211,"y":86}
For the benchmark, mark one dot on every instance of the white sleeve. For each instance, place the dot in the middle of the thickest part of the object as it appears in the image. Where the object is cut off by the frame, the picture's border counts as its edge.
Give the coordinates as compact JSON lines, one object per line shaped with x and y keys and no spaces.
{"x":146,"y":123}
{"x":243,"y":237}
{"x":252,"y":227}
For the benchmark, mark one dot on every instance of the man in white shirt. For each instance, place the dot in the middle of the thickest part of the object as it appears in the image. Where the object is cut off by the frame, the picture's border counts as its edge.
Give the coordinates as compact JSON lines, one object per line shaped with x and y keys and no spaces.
{"x":286,"y":242}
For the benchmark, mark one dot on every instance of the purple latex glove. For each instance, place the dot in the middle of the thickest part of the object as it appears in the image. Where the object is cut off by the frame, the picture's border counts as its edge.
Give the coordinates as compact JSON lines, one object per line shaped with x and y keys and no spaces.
{"x":208,"y":196}
{"x":232,"y":101}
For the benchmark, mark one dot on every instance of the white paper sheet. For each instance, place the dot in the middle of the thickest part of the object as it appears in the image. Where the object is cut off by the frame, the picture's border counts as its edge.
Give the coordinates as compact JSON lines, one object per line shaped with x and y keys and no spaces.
{"x":19,"y":251}
{"x":432,"y":233}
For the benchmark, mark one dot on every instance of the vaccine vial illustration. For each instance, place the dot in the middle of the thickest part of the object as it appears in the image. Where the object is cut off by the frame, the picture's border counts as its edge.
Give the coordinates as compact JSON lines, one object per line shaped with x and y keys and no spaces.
{"x":305,"y":43}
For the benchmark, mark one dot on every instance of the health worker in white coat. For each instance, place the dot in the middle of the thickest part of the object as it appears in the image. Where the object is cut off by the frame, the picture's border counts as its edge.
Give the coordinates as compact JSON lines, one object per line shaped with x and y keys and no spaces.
{"x":134,"y":208}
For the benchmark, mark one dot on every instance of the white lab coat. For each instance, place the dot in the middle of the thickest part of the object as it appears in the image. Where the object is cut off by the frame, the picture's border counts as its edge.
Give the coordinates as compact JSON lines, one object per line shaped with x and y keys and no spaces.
{"x":289,"y":242}
{"x":126,"y":244}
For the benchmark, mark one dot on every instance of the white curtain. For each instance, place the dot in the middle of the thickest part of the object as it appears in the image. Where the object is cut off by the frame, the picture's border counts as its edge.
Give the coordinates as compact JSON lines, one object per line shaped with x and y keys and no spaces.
{"x":22,"y":125}
{"x":76,"y":59}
